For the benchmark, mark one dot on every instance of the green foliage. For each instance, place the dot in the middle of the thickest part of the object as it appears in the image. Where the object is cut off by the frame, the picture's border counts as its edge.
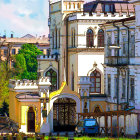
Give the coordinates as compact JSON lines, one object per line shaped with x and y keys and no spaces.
{"x":20,"y":66}
{"x":4,"y":90}
{"x":4,"y":109}
{"x":26,"y":62}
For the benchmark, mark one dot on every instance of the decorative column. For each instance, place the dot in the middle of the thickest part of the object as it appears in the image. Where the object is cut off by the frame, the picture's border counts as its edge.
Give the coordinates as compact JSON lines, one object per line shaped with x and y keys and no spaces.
{"x":44,"y":85}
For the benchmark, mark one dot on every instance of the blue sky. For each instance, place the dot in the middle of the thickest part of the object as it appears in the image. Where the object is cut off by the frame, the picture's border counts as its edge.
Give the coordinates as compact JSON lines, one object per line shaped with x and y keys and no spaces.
{"x":23,"y":17}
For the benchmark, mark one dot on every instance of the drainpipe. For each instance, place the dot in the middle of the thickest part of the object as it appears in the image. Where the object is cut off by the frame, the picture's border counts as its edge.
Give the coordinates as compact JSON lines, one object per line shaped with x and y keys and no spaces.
{"x":67,"y":50}
{"x":118,"y":43}
{"x":128,"y":71}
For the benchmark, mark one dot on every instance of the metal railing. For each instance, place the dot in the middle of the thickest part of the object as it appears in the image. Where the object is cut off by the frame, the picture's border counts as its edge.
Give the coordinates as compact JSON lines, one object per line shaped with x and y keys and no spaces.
{"x":116,"y":60}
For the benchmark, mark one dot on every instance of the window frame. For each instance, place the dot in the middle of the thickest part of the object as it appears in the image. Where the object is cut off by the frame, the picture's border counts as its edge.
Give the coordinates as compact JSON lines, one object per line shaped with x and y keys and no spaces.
{"x":52,"y":87}
{"x":132,"y":88}
{"x":95,"y":82}
{"x":123,"y":87}
{"x":89,"y":38}
{"x":109,"y":84}
{"x":13,"y":50}
{"x":101,"y":38}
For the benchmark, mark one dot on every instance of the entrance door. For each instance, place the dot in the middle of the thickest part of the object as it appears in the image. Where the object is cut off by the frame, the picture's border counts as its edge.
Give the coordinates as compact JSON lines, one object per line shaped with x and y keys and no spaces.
{"x":64,"y":114}
{"x":31,"y":120}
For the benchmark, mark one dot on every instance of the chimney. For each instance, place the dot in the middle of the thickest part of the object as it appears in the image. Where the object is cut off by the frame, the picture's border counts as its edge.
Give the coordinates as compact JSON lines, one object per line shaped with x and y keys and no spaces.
{"x":12,"y":35}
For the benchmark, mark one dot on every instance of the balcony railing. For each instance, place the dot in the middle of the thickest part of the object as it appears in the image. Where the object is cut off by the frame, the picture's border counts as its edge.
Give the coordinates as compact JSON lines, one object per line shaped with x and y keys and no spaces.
{"x":84,"y":80}
{"x":116,"y":61}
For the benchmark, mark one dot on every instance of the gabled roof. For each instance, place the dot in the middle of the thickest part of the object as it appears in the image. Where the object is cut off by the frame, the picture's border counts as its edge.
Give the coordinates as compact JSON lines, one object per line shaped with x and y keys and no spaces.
{"x":63,"y":89}
{"x":28,"y":36}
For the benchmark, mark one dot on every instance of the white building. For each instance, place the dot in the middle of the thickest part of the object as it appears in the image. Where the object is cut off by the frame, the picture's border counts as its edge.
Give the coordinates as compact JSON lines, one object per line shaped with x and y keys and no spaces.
{"x":122,"y":62}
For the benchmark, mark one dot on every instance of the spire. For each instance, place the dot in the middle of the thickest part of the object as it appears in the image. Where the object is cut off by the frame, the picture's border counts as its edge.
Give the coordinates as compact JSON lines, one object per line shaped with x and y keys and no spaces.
{"x":64,"y":75}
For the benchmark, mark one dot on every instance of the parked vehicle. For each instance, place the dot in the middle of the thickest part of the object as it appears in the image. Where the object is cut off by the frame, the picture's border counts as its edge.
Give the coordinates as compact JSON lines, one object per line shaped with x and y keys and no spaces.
{"x":87,"y":126}
{"x":91,"y":126}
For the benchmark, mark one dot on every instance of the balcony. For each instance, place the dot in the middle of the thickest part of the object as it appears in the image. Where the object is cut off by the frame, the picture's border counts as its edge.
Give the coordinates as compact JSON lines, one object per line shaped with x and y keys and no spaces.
{"x":116,"y":61}
{"x":84,"y":80}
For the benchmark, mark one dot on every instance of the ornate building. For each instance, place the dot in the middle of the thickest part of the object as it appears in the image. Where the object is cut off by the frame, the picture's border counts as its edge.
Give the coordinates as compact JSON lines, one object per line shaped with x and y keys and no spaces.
{"x":75,"y":64}
{"x":122,"y":65}
{"x":77,"y":53}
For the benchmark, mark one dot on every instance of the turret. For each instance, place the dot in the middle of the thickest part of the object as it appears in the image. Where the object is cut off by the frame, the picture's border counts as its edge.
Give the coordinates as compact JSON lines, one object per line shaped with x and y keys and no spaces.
{"x":72,"y":5}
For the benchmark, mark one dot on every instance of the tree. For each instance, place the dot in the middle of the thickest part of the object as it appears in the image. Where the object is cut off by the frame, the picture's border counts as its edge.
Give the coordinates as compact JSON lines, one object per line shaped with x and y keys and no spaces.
{"x":20,"y":68}
{"x":27,"y":69}
{"x":4,"y":109}
{"x":4,"y":90}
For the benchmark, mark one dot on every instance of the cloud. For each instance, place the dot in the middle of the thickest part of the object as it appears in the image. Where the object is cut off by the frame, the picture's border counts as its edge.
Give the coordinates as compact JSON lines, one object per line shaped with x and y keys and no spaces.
{"x":24,"y":16}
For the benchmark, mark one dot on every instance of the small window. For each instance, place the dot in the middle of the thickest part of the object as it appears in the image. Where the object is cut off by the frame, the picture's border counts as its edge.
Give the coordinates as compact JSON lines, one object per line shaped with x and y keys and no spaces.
{"x":132,"y":41}
{"x":97,"y":109}
{"x":109,"y":85}
{"x":69,"y":5}
{"x":116,"y":40}
{"x":5,"y":52}
{"x":108,"y":8}
{"x":100,"y":38}
{"x":13,"y":51}
{"x":109,"y":44}
{"x":124,"y":45}
{"x":79,"y":5}
{"x":74,"y":5}
{"x":90,"y":38}
{"x":115,"y":86}
{"x":95,"y":79}
{"x":123,"y":87}
{"x":53,"y":79}
{"x":132,"y":87}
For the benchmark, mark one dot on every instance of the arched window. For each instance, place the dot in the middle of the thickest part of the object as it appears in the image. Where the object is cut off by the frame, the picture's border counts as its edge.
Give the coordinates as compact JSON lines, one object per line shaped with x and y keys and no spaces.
{"x":53,"y":79}
{"x":79,"y":5}
{"x":69,"y":5}
{"x":95,"y":79}
{"x":74,"y":5}
{"x":100,"y":38}
{"x":97,"y":109}
{"x":90,"y":38}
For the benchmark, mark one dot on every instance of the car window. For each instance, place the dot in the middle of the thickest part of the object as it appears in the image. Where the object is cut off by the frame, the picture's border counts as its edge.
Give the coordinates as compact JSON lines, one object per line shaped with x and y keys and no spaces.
{"x":90,"y":123}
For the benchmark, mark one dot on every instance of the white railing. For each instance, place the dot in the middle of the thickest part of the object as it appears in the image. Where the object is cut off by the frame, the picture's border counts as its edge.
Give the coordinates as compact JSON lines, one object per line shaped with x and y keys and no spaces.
{"x":84,"y":80}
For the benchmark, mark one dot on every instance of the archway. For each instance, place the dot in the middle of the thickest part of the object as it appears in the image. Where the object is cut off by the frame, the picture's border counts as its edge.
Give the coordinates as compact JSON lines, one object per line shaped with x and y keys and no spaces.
{"x":64,"y":114}
{"x":31,"y":120}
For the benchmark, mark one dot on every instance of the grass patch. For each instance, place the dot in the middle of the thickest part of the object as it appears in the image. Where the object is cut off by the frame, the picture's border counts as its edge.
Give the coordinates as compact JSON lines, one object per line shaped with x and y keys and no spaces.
{"x":67,"y":138}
